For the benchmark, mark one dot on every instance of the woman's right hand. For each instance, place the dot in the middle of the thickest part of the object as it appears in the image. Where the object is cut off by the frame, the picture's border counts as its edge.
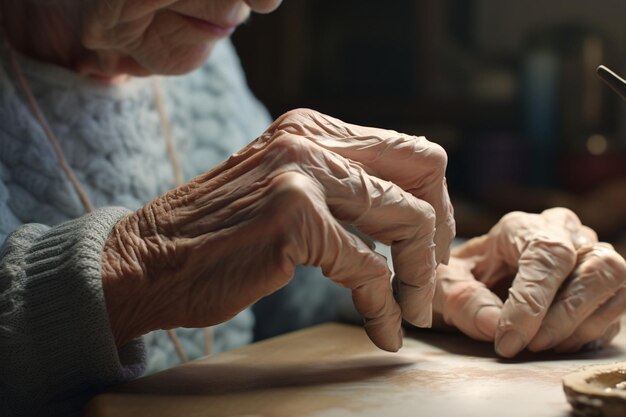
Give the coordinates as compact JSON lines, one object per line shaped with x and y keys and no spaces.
{"x":203,"y":252}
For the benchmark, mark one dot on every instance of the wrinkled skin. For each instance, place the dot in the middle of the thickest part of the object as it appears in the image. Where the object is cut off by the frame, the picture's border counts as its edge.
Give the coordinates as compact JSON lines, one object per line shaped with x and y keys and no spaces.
{"x":205,"y":251}
{"x":143,"y":37}
{"x":112,"y":39}
{"x":565,"y":289}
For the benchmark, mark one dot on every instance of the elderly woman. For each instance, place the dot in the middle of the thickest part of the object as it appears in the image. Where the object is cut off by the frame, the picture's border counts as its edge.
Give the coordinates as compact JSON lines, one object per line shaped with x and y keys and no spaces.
{"x":113,"y":228}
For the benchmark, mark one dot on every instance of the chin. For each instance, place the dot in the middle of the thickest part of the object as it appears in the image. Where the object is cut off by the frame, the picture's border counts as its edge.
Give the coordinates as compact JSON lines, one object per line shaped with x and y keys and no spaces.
{"x":175,"y":61}
{"x":180,"y":61}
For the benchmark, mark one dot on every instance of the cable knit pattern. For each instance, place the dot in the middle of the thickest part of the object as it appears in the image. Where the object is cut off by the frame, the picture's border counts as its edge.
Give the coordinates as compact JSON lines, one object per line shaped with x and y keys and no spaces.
{"x":111,"y":137}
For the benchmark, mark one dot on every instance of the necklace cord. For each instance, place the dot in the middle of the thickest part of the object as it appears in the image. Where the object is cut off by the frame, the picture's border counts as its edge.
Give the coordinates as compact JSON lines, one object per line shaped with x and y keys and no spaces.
{"x":36,"y":111}
{"x":178,"y":179}
{"x":167,"y":132}
{"x":82,"y":194}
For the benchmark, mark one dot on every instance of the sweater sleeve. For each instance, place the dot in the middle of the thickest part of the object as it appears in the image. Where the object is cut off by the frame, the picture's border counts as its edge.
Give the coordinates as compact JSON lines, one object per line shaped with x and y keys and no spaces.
{"x":56,"y":345}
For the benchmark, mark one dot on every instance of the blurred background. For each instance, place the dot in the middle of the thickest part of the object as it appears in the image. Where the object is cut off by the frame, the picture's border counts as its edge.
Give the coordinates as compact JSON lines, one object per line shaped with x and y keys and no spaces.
{"x":507,"y":87}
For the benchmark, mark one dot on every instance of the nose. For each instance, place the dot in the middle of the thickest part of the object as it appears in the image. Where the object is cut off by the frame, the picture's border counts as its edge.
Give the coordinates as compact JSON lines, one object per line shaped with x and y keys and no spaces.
{"x":263,"y":6}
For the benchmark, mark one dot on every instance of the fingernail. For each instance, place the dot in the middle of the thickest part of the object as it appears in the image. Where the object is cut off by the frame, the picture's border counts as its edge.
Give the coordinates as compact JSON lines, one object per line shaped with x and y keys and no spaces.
{"x":592,"y":346}
{"x":399,"y":340}
{"x":542,"y":341}
{"x":509,"y":344}
{"x":569,"y":346}
{"x":486,"y":320}
{"x":424,"y":319}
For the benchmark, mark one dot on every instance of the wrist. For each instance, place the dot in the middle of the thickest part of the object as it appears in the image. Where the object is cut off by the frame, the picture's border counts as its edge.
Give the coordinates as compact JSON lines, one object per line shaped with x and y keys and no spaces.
{"x":126,"y":285}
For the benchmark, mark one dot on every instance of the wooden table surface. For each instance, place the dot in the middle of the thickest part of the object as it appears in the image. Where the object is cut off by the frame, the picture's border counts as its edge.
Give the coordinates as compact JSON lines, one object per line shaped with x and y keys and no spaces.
{"x":334,"y":370}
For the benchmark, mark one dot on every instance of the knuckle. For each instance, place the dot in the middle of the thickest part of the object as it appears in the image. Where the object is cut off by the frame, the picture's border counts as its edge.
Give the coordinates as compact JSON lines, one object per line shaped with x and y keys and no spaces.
{"x":296,"y":115}
{"x":424,"y":215}
{"x":422,"y":223}
{"x":294,"y":207}
{"x":530,"y":300}
{"x":561,"y":212}
{"x":439,"y":156}
{"x":607,"y":265}
{"x":293,"y":190}
{"x":587,"y":233}
{"x":587,"y":332}
{"x":512,"y":218}
{"x":572,"y":304}
{"x":460,"y":295}
{"x":554,"y":254}
{"x":436,"y":155}
{"x":612,"y":261}
{"x":288,"y":148}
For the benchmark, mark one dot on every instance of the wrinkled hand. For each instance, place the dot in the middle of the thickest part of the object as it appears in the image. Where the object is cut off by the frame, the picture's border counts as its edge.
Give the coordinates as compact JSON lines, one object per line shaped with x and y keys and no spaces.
{"x":205,"y":251}
{"x":565,"y":289}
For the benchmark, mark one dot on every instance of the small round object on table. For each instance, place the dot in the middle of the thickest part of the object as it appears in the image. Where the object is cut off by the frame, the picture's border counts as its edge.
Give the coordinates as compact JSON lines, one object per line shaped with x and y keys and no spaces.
{"x":597,"y":390}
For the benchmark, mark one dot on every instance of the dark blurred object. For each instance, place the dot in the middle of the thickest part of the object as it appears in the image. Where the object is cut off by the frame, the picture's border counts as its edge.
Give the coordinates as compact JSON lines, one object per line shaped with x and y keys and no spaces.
{"x":494,"y":160}
{"x":613,"y":80}
{"x":602,"y":208}
{"x":563,"y":102}
{"x":401,"y":64}
{"x":507,"y":87}
{"x":600,"y":162}
{"x":582,"y":171}
{"x":365,"y":57}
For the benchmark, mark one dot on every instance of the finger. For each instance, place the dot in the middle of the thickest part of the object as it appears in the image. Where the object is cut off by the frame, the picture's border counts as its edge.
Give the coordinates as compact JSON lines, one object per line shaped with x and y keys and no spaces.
{"x":580,"y":235}
{"x":354,"y":265}
{"x":406,"y":225}
{"x":320,"y":240}
{"x":413,"y":163}
{"x":611,"y":332}
{"x":543,"y":266}
{"x":597,"y":325}
{"x":597,"y":343}
{"x":599,"y":275}
{"x":496,"y":255}
{"x":389,"y":214}
{"x":585,"y":237}
{"x":465,"y":303}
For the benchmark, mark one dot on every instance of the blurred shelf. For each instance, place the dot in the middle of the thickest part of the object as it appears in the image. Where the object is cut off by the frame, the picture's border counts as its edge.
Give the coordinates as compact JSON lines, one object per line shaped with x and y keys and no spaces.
{"x":391,"y":113}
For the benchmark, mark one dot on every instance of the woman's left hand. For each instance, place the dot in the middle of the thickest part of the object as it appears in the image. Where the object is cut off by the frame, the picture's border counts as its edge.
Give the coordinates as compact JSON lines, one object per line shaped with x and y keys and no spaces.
{"x":565,"y":289}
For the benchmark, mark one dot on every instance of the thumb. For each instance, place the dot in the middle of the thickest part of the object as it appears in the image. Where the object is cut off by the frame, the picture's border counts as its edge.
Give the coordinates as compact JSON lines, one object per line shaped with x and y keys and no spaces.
{"x":466,"y":303}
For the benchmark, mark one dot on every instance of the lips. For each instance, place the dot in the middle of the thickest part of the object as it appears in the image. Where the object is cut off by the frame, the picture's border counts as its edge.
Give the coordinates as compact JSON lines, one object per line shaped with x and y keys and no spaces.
{"x":220,"y":30}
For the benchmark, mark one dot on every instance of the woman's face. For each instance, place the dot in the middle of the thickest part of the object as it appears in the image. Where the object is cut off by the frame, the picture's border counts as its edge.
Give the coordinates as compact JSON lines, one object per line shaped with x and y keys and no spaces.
{"x":161,"y":36}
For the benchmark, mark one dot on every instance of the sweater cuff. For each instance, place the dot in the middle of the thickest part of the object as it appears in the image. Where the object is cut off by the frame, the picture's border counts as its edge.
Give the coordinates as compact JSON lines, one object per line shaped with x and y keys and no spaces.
{"x":65,"y":308}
